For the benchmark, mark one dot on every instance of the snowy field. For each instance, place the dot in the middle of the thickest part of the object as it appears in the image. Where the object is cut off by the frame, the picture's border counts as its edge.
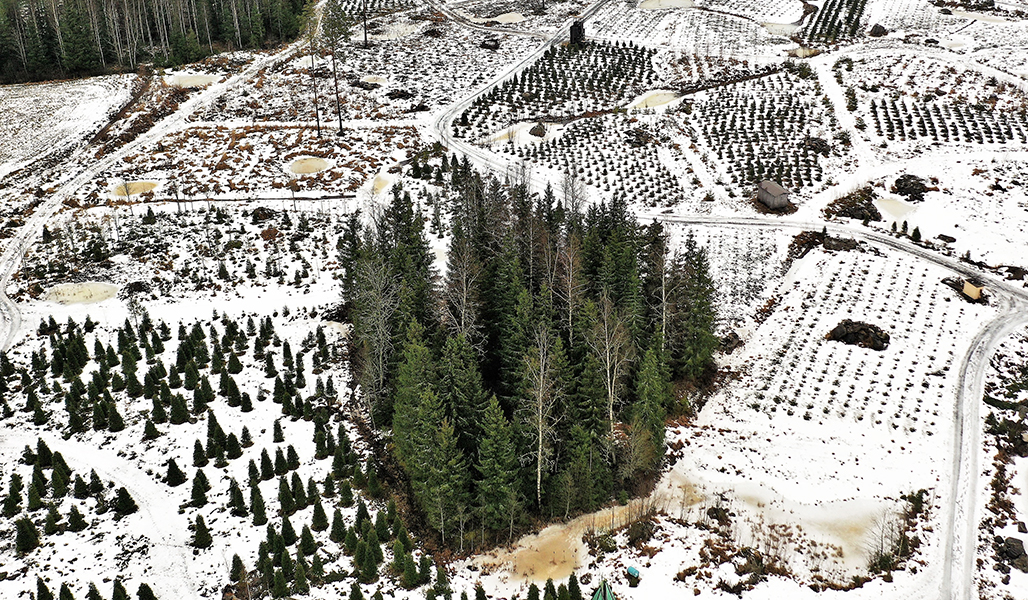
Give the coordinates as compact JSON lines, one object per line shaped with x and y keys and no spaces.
{"x":43,"y":118}
{"x":809,"y":451}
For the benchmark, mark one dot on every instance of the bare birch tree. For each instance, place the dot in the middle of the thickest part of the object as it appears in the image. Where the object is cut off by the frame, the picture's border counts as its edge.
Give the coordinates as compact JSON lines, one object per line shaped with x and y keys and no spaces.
{"x":377,"y":293}
{"x":461,"y":290}
{"x":611,"y":342}
{"x":543,"y":393}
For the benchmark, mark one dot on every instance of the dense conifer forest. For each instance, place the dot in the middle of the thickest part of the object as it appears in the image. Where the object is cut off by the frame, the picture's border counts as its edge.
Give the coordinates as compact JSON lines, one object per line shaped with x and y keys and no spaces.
{"x":534,"y":378}
{"x":47,"y":40}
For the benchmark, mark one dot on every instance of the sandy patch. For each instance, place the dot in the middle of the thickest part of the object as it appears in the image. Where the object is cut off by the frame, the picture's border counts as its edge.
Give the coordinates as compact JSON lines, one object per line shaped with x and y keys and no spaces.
{"x":394,"y":31}
{"x":654,"y":99}
{"x":657,"y":4}
{"x":89,"y":292}
{"x":804,"y":52}
{"x":306,"y":165}
{"x":131,"y":188}
{"x":506,"y":18}
{"x":558,"y":550}
{"x":782,"y":29}
{"x":187,"y":80}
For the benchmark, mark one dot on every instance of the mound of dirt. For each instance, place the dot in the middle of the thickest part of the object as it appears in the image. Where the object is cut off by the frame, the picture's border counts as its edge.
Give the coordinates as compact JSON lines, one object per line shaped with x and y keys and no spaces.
{"x":860,"y":334}
{"x":858,"y":205}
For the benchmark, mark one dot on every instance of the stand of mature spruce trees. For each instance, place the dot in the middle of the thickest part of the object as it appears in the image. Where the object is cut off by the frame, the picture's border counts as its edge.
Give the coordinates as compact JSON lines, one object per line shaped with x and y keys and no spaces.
{"x":533,"y":378}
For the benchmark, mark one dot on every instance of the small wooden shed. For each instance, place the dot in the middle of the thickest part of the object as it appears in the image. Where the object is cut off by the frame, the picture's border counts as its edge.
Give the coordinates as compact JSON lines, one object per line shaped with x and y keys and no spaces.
{"x":772,"y":195}
{"x":577,"y":33}
{"x":973,"y":290}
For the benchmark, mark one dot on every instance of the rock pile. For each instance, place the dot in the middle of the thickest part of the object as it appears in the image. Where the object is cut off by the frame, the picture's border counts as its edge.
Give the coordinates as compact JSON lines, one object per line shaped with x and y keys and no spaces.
{"x":860,"y":334}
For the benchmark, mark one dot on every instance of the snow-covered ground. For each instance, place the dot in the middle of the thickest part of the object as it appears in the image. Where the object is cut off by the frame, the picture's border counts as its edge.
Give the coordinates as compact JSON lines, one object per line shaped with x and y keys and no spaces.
{"x":808,"y":444}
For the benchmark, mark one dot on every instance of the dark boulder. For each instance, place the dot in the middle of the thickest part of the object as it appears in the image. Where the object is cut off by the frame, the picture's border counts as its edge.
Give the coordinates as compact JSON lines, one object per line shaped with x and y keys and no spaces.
{"x":878,"y":31}
{"x":538,"y":130}
{"x":1012,"y":549}
{"x":136,"y":287}
{"x":860,"y":334}
{"x":491,"y":44}
{"x":261,"y":214}
{"x":730,"y":342}
{"x":910,"y":186}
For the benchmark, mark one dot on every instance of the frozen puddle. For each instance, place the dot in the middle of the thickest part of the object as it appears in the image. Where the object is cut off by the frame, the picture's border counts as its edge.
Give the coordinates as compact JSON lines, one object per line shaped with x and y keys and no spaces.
{"x":374,"y":79}
{"x":505,"y":18}
{"x":131,"y":188}
{"x":654,"y":99}
{"x":978,"y":17}
{"x":381,"y":183}
{"x":782,"y":29}
{"x":191,"y":81}
{"x":897,"y":209}
{"x":306,"y":165}
{"x":655,"y":4}
{"x":89,"y":292}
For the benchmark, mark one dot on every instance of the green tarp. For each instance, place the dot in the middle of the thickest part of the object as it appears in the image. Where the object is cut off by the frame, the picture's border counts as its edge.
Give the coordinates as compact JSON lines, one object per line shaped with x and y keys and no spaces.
{"x":604,"y":592}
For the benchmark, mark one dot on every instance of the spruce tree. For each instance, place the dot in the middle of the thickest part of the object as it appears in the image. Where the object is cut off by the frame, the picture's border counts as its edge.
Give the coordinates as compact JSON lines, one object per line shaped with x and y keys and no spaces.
{"x":119,"y":592}
{"x":199,"y":455}
{"x":288,"y":533}
{"x":345,"y":494}
{"x":150,"y":431}
{"x":145,"y":593}
{"x":260,"y":516}
{"x":35,"y":503}
{"x":201,"y":536}
{"x":497,"y":468}
{"x":292,"y":458}
{"x":26,"y":538}
{"x":307,"y":544}
{"x":50,"y":526}
{"x":43,"y":592}
{"x":549,"y":591}
{"x":179,"y":411}
{"x":355,"y":592}
{"x":237,"y":506}
{"x":175,"y":475}
{"x":232,"y":448}
{"x":124,"y":504}
{"x":93,"y":593}
{"x":280,"y":589}
{"x":198,"y":497}
{"x":574,"y":591}
{"x":285,"y":497}
{"x":267,"y":471}
{"x":319,"y":520}
{"x":281,"y":468}
{"x":65,"y":593}
{"x":76,"y":522}
{"x":381,"y":527}
{"x":338,"y":531}
{"x":300,"y":584}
